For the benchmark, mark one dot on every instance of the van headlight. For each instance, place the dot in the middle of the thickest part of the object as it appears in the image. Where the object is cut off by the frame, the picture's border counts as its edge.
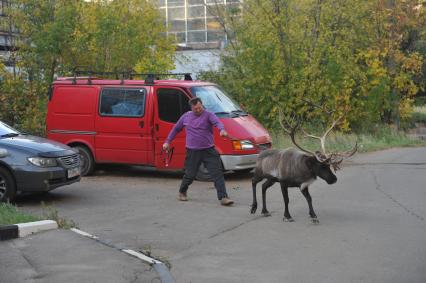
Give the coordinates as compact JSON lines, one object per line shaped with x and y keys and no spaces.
{"x":242,"y":145}
{"x":42,"y":161}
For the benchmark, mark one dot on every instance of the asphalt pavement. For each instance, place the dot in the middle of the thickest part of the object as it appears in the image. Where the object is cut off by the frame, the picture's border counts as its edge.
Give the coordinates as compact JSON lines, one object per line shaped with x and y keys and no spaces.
{"x":372,"y":229}
{"x":64,"y":256}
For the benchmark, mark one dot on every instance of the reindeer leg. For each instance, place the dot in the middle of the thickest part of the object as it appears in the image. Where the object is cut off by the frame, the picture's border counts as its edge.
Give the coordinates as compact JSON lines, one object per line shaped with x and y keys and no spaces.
{"x":308,"y":197}
{"x":284,"y":190}
{"x":265,"y":186}
{"x":254,"y":181}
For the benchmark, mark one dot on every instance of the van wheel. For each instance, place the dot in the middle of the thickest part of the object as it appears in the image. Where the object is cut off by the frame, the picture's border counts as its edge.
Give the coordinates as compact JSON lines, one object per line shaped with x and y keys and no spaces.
{"x":244,"y":171}
{"x":86,"y":159}
{"x":202,"y":174}
{"x":7,"y":186}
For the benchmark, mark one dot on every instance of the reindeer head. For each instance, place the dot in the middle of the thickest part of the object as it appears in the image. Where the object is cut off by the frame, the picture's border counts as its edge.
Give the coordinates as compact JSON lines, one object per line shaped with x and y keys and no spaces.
{"x":330,"y":159}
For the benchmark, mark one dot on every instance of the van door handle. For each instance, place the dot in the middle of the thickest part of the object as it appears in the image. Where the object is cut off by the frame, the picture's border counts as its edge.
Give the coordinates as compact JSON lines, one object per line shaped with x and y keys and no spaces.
{"x":141,"y":124}
{"x":156,"y":127}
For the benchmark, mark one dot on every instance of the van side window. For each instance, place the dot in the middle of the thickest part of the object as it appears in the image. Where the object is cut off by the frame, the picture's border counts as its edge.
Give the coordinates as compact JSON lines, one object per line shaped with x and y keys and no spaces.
{"x":122,"y":102}
{"x":172,"y":103}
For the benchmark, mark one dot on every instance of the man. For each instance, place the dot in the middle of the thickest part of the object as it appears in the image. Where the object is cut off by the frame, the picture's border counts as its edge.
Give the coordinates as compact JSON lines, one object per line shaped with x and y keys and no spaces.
{"x":200,"y":148}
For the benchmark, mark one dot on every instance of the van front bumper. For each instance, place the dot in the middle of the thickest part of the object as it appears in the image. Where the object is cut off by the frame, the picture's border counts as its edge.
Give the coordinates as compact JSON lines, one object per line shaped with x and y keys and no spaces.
{"x":239,"y":162}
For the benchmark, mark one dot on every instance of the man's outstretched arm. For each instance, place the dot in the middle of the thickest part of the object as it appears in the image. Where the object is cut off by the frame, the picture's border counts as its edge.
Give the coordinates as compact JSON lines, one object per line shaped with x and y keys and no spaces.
{"x":176,"y":129}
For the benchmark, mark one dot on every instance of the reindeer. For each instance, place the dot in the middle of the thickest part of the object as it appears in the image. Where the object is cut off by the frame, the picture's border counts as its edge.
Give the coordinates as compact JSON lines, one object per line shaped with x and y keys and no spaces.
{"x":296,"y":168}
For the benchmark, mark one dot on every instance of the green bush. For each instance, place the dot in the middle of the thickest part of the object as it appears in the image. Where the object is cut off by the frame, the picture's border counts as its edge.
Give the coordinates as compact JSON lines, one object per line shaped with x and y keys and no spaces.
{"x":22,"y":103}
{"x":419,"y":114}
{"x":420,"y":100}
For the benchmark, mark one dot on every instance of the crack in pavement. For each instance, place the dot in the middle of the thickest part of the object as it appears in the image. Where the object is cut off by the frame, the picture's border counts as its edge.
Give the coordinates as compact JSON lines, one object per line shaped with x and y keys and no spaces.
{"x":36,"y":275}
{"x":389,"y":196}
{"x":201,"y":241}
{"x":236,"y":226}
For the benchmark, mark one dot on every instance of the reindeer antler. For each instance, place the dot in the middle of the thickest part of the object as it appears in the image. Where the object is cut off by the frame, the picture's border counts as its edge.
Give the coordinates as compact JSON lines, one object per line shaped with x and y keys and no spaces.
{"x":334,"y":159}
{"x":324,"y":136}
{"x":291,"y":130}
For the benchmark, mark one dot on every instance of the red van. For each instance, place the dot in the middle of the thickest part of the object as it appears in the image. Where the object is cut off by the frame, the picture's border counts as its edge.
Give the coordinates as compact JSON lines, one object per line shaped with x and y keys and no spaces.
{"x":127,"y":121}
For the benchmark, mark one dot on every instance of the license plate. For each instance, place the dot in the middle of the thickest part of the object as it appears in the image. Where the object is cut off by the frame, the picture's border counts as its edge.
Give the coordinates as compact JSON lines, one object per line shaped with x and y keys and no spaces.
{"x":73,"y":172}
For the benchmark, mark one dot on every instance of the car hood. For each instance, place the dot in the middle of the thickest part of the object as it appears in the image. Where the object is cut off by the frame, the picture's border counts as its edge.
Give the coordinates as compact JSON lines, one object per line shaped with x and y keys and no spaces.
{"x":246,"y":128}
{"x":36,"y":145}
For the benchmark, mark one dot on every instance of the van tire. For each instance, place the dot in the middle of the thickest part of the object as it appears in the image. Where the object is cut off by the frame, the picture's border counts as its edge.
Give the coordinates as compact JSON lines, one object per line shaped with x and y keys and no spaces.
{"x":203,"y":175}
{"x":7,"y":186}
{"x":86,"y":159}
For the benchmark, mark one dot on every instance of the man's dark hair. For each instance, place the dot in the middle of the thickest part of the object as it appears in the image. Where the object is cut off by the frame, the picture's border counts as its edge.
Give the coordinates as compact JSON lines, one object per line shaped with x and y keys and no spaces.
{"x":193,"y":101}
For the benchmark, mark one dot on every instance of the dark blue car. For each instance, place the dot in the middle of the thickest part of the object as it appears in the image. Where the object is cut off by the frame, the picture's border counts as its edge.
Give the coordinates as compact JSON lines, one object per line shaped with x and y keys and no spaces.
{"x":33,"y":164}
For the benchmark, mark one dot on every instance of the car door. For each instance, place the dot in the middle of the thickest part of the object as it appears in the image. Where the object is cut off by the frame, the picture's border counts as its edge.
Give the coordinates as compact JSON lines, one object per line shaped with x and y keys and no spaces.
{"x":123,"y":135}
{"x":170,"y":103}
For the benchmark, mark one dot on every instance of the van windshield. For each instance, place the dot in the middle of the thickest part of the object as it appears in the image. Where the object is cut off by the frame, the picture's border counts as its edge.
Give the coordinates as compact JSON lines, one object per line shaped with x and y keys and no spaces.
{"x":217,"y":101}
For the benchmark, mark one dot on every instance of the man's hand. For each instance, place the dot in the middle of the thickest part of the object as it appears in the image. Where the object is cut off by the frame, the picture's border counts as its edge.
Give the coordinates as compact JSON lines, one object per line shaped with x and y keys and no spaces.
{"x":166,"y":146}
{"x":223,"y":133}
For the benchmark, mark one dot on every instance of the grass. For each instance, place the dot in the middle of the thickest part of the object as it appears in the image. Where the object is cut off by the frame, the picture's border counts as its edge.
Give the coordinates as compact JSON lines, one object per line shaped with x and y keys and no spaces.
{"x":382,"y":138}
{"x":51,"y":213}
{"x":9,"y":214}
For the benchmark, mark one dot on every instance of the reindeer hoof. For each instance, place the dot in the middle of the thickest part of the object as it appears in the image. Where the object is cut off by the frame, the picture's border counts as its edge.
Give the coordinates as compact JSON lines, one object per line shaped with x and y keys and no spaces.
{"x":314,"y":220}
{"x":253,"y":209}
{"x":266,"y":213}
{"x":288,"y":219}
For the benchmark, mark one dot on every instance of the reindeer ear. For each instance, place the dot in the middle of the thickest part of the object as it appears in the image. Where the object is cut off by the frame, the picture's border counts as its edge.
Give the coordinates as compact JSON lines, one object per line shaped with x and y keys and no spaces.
{"x":311,"y":161}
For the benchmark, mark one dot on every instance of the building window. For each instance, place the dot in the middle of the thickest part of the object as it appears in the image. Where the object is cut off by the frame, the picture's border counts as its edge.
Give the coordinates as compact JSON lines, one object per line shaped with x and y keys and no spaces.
{"x":192,"y":21}
{"x":175,"y":3}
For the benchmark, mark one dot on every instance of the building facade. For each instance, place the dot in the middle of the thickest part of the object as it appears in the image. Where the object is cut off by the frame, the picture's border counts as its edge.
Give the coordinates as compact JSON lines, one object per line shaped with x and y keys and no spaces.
{"x":196,"y":28}
{"x":7,"y":34}
{"x":195,"y":23}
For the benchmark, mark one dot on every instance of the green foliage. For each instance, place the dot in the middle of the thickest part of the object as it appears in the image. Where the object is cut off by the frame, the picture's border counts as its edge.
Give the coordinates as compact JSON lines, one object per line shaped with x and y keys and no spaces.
{"x":420,"y":101}
{"x":419,"y":114}
{"x":22,"y":102}
{"x":379,"y":137}
{"x":335,"y":54}
{"x":9,"y":214}
{"x":58,"y":35}
{"x":123,"y":35}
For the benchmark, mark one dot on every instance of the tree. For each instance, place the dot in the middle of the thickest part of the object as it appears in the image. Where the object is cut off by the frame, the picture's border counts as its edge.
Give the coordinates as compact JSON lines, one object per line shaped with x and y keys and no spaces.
{"x":290,"y":52}
{"x":391,"y":66}
{"x":59,"y":35}
{"x":56,"y":36}
{"x":124,"y":35}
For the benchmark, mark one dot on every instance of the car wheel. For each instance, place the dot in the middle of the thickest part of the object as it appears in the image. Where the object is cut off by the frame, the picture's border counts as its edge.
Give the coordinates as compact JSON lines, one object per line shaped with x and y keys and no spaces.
{"x":86,"y":159}
{"x":7,"y":185}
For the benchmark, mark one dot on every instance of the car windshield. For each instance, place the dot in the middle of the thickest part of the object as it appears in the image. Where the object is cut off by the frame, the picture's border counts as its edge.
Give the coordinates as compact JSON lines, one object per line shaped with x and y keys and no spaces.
{"x":217,"y":101}
{"x":7,"y":131}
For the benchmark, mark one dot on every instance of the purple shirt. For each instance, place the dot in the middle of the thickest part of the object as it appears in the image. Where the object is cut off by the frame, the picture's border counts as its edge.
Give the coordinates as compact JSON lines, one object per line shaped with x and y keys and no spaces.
{"x":199,"y":129}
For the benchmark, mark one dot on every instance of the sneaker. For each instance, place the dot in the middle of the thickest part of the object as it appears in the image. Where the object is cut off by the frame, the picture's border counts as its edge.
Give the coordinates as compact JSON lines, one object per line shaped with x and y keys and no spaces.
{"x":183,"y":197}
{"x":226,"y":201}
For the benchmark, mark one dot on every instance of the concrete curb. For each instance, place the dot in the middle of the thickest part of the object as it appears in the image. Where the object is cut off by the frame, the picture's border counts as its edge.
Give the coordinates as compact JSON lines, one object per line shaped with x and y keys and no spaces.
{"x":160,"y":267}
{"x":20,"y":230}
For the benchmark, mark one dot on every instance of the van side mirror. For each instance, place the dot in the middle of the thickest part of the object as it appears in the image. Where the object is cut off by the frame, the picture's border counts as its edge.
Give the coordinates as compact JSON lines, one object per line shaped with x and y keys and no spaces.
{"x":3,"y":153}
{"x":242,"y":106}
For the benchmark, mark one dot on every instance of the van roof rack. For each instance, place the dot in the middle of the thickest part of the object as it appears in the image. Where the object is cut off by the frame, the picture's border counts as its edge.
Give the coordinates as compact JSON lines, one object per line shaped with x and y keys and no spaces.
{"x":149,"y":78}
